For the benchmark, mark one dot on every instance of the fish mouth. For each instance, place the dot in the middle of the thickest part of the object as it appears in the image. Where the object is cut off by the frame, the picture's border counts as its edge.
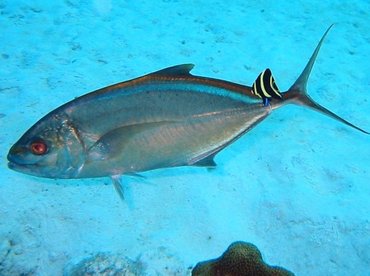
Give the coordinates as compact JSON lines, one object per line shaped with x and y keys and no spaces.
{"x":18,"y":159}
{"x":19,"y":164}
{"x":18,"y":167}
{"x":30,"y":169}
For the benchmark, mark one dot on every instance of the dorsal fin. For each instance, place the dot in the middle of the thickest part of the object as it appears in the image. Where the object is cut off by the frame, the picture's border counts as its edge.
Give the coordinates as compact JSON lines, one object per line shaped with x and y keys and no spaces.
{"x":178,"y":70}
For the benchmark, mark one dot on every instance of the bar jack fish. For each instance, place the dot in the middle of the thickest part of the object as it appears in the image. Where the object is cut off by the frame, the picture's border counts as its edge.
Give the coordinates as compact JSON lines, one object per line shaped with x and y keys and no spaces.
{"x":165,"y":119}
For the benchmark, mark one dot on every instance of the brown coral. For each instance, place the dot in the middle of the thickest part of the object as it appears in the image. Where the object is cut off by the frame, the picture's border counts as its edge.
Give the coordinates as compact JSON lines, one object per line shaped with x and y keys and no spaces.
{"x":240,"y":259}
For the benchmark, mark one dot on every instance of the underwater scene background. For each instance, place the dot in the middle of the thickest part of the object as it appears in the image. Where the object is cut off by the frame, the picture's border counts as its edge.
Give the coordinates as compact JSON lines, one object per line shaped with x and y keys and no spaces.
{"x":297,"y":186}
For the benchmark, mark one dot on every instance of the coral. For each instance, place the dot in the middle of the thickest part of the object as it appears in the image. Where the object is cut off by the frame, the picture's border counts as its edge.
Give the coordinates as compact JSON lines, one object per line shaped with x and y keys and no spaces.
{"x":161,"y":261}
{"x":11,"y":262}
{"x":105,"y":265}
{"x":158,"y":261}
{"x":240,"y":259}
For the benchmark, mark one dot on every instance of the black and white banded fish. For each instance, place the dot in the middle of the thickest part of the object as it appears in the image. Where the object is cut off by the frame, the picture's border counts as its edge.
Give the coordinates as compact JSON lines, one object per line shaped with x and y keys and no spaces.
{"x":265,"y":87}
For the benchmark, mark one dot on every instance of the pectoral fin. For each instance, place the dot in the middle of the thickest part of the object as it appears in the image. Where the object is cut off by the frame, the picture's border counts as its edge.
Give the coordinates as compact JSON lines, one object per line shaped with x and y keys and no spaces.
{"x":112,"y":143}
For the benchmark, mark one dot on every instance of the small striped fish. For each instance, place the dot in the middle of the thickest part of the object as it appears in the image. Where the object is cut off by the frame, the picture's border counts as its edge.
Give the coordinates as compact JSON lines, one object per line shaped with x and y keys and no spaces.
{"x":265,"y":87}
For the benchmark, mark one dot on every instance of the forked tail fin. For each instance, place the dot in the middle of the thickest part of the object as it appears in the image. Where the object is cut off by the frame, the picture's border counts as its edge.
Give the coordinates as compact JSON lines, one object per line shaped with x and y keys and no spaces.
{"x":297,"y":93}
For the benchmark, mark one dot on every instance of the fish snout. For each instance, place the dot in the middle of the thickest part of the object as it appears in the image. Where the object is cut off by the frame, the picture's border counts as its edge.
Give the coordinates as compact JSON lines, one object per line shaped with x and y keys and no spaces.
{"x":13,"y":154}
{"x":21,"y":161}
{"x":15,"y":161}
{"x":18,"y":155}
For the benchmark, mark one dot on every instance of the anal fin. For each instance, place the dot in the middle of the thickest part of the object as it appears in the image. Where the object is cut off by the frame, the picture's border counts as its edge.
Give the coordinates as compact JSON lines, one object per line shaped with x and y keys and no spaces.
{"x":207,"y":162}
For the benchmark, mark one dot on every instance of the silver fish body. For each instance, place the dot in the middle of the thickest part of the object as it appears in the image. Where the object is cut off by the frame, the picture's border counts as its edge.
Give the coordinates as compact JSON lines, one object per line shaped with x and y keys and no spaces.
{"x":165,"y":119}
{"x":157,"y":122}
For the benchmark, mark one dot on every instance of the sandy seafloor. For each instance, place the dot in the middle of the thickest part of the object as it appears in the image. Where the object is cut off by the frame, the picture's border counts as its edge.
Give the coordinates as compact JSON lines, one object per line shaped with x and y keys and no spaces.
{"x":297,"y":186}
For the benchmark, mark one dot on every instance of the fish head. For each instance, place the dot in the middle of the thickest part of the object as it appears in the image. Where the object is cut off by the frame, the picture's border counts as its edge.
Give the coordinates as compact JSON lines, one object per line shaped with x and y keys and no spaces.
{"x":51,"y":148}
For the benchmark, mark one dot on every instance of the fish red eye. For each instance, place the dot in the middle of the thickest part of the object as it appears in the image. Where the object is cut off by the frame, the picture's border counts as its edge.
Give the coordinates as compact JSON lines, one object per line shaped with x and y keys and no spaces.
{"x":38,"y":148}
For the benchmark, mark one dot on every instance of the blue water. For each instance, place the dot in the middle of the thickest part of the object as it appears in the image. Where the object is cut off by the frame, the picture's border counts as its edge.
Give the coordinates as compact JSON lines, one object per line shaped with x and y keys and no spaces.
{"x":297,"y":186}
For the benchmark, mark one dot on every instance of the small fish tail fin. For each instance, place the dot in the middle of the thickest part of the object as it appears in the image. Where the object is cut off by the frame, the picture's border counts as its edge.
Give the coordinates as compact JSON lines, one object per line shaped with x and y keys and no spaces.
{"x":297,"y":93}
